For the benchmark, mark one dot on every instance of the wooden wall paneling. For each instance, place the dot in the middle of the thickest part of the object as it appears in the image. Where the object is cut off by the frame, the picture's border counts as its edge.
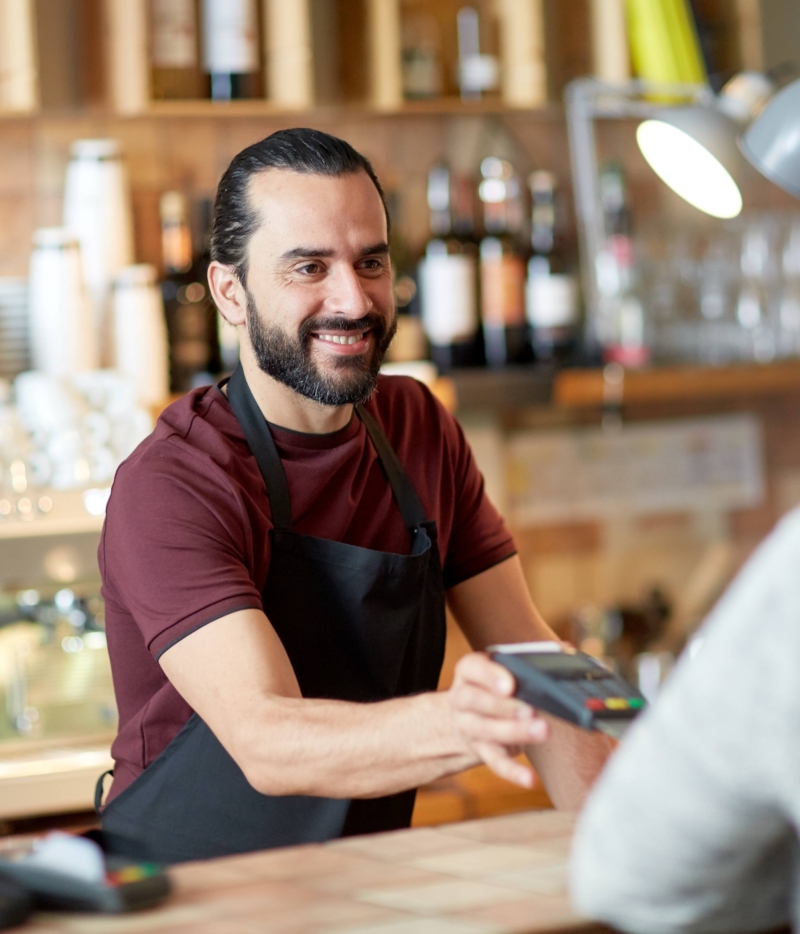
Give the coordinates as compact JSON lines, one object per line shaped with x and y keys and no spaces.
{"x":19,"y":84}
{"x":610,"y":51}
{"x":568,"y":43}
{"x":522,"y":48}
{"x":750,"y":39}
{"x":93,"y":70}
{"x":780,"y":34}
{"x":718,"y":29}
{"x":289,"y":45}
{"x":385,"y":67}
{"x":72,"y":57}
{"x":326,"y":53}
{"x":353,"y":49}
{"x":126,"y":49}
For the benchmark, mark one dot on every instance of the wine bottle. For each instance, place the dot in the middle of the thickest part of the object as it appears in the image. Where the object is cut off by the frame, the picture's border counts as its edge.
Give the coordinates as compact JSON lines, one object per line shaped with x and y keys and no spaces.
{"x":477,"y":71}
{"x":231,"y":48}
{"x":448,"y":279}
{"x":502,"y":265}
{"x":551,"y":295}
{"x":175,"y":72}
{"x":621,"y":327}
{"x":191,"y":318}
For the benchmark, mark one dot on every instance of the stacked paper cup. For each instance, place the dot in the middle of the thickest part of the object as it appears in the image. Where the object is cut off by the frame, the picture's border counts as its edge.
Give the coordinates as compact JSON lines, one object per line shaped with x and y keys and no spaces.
{"x":63,"y":332}
{"x":140,"y":333}
{"x":97,"y":209}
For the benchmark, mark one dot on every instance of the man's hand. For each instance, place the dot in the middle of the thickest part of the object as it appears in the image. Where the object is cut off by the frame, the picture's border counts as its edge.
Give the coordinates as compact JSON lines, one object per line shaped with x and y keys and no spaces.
{"x":491,"y":722}
{"x":495,"y":607}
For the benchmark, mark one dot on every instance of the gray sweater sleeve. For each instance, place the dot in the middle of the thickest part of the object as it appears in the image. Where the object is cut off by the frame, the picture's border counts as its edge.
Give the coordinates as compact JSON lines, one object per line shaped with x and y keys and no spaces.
{"x":692,"y":826}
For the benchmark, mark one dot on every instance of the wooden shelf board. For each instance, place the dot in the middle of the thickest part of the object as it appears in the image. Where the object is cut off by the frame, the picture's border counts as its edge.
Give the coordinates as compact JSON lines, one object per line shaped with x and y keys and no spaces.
{"x":243,"y":109}
{"x":436,"y":107}
{"x":511,"y":387}
{"x":584,"y":388}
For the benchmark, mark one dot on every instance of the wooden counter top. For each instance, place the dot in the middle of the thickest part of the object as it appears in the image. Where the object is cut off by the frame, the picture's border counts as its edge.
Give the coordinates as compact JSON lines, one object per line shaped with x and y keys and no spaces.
{"x":480,"y":877}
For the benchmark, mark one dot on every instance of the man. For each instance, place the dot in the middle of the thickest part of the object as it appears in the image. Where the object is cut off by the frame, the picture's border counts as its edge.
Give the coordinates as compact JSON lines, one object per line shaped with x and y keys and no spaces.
{"x":277,"y":555}
{"x":693,"y":827}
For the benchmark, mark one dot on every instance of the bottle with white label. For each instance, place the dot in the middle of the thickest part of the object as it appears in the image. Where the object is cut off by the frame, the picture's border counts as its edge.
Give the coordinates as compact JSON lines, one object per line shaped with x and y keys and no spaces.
{"x":551,"y":294}
{"x":231,"y":49}
{"x":448,"y":279}
{"x":174,"y":44}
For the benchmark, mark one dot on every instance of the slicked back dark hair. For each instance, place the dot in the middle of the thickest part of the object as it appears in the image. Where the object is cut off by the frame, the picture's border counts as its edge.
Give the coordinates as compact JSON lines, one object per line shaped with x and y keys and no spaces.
{"x":309,"y":152}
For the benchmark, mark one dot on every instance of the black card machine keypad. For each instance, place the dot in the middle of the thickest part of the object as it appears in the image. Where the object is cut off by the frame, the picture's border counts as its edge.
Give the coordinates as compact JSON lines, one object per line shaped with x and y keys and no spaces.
{"x":570,"y":685}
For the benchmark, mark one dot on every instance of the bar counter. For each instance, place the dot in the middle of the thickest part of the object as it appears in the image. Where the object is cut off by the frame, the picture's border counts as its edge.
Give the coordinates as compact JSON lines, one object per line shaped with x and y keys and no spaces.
{"x":480,"y":877}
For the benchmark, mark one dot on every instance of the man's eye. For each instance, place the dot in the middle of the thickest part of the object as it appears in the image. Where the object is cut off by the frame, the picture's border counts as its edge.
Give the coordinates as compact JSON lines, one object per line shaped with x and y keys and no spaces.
{"x":372,"y":264}
{"x":309,"y":269}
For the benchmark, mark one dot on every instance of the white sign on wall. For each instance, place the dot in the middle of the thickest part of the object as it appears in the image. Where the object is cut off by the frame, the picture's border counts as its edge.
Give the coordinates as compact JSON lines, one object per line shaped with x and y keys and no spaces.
{"x":635,"y":469}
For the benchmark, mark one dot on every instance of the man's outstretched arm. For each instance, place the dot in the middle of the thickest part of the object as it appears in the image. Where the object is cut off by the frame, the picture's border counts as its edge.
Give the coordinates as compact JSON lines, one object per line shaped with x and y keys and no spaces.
{"x":235,"y":673}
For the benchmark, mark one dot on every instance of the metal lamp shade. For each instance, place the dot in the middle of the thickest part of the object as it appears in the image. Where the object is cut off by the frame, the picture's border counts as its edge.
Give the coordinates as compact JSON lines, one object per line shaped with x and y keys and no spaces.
{"x":772,"y":142}
{"x":693,"y":150}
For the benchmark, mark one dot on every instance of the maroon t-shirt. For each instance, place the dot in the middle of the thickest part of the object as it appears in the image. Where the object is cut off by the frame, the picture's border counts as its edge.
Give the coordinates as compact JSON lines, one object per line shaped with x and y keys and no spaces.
{"x":186,"y":539}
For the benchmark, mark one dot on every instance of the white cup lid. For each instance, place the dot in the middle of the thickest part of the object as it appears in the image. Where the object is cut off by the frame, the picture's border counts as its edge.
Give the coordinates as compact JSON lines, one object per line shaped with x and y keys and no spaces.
{"x":136,"y":275}
{"x":95,"y":149}
{"x":54,"y":238}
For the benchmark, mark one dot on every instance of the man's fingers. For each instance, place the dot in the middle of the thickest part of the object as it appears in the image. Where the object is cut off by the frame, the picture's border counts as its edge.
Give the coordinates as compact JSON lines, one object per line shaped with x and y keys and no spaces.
{"x":469,"y":697}
{"x":478,"y":728}
{"x":501,"y":763}
{"x":479,"y":669}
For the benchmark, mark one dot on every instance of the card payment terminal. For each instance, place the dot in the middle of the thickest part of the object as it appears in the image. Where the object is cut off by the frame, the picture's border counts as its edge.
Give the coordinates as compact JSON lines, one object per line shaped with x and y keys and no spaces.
{"x":570,"y":685}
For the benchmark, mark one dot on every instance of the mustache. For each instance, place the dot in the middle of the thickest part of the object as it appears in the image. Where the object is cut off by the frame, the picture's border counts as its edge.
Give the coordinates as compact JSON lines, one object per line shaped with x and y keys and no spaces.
{"x":337,"y":323}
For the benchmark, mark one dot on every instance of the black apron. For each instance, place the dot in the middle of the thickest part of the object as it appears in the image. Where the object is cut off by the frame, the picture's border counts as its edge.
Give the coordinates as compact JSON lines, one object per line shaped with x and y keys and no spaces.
{"x":357,"y":625}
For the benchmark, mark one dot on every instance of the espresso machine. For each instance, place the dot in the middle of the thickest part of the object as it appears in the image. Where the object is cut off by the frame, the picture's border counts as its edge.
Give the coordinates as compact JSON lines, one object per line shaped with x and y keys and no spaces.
{"x":57,"y":710}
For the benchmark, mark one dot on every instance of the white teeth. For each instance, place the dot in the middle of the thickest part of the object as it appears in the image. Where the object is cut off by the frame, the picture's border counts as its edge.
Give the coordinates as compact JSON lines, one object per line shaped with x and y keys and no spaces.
{"x":340,"y":339}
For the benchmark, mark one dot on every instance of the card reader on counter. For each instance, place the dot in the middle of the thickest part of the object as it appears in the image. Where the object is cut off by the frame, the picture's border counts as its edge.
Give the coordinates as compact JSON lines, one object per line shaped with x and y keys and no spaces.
{"x":570,"y":685}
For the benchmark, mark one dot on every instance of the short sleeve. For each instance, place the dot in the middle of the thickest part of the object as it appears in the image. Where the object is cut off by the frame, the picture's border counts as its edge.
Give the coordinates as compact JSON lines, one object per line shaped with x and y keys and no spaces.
{"x":479,"y":537}
{"x":176,"y":551}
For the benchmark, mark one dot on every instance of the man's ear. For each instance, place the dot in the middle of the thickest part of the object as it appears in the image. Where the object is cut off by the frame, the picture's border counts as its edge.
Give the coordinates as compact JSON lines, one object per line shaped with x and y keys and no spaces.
{"x":228,"y":293}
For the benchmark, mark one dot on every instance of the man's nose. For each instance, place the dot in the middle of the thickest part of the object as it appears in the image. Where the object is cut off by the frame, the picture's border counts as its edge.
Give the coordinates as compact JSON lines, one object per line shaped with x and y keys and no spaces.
{"x":346,"y":293}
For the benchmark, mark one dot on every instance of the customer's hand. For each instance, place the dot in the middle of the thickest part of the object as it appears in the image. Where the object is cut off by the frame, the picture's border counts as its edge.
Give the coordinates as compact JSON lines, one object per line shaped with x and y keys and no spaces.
{"x":493,"y":725}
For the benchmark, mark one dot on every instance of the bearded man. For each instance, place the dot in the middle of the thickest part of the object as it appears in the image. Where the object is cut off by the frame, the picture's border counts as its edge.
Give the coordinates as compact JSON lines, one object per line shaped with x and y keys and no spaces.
{"x":277,"y":556}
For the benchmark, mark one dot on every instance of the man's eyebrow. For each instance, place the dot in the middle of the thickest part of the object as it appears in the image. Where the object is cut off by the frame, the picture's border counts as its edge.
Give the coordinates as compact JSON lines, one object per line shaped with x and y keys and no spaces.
{"x":313,"y":252}
{"x":377,"y":249}
{"x":307,"y":252}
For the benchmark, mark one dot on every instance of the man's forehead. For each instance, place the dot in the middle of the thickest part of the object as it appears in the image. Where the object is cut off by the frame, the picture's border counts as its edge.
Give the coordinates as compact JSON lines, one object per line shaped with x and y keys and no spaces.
{"x":330,"y":213}
{"x":279,"y":185}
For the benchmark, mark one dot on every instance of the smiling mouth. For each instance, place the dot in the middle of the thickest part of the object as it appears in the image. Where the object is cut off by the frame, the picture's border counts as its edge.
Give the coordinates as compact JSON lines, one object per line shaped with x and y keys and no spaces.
{"x":342,"y":338}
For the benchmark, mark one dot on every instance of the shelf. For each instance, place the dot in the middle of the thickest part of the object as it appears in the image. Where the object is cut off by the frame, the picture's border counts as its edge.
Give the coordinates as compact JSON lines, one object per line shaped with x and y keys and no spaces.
{"x":512,"y":387}
{"x":669,"y":384}
{"x":247,"y":109}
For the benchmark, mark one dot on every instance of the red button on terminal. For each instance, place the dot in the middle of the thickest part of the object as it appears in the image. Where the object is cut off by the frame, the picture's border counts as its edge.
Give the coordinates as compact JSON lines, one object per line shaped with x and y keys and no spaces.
{"x":594,"y":703}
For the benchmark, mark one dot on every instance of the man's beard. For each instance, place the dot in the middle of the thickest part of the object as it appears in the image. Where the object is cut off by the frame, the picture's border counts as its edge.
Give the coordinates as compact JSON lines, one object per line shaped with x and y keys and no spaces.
{"x":289,"y":360}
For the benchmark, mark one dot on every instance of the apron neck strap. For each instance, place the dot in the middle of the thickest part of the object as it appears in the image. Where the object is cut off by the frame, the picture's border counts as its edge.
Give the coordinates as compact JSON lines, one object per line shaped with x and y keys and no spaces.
{"x":262,"y":444}
{"x":404,"y":493}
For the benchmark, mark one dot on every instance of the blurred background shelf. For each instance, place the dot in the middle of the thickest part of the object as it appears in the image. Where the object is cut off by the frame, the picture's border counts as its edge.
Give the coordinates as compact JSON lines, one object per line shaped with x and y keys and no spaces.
{"x":517,"y":387}
{"x":437,"y":107}
{"x":672,"y":384}
{"x":511,"y":387}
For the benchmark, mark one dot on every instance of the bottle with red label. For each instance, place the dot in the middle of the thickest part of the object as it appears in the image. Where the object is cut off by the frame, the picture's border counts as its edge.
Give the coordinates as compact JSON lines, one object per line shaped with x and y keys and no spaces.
{"x":502,"y":265}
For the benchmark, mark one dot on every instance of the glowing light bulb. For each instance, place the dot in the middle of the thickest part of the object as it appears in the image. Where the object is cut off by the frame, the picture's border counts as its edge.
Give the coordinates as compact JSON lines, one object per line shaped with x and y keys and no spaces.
{"x":689,"y":169}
